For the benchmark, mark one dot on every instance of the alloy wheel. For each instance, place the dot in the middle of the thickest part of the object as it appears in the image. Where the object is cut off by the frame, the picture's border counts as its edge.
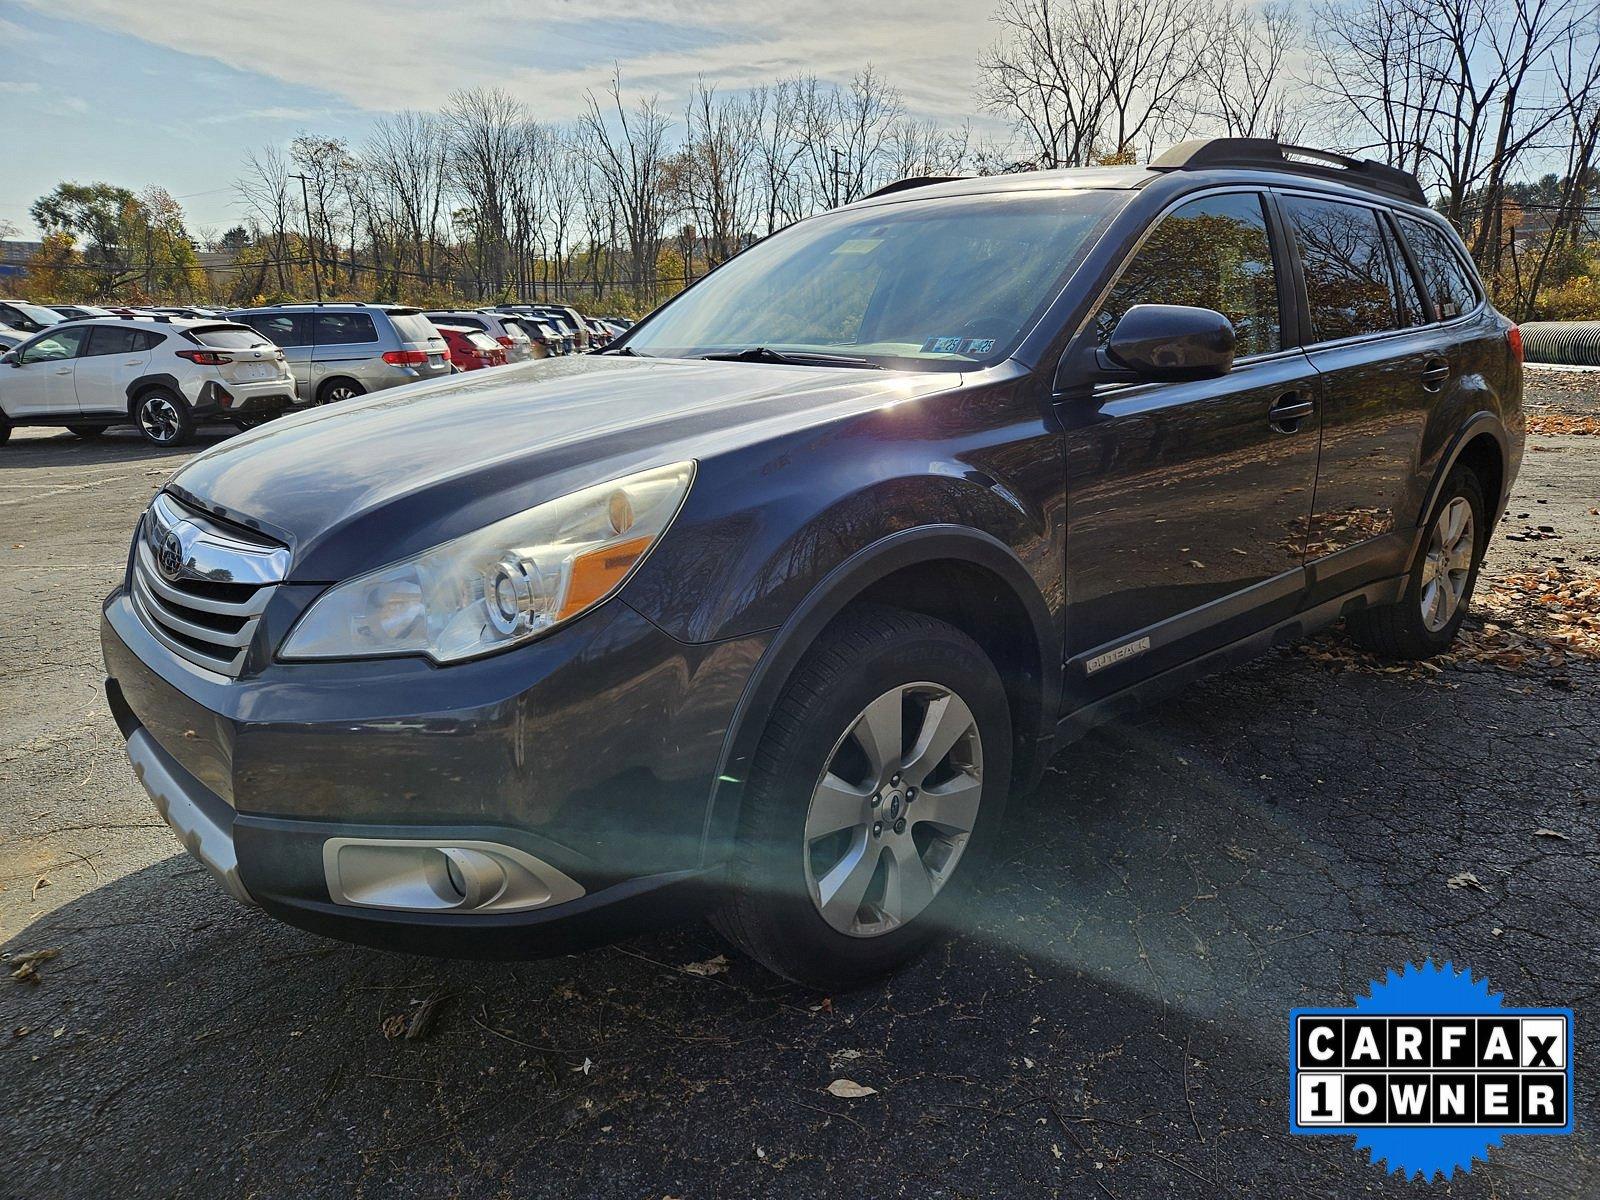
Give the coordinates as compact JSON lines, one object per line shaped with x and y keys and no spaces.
{"x":1448,"y":564}
{"x":159,"y":419}
{"x":894,"y":809}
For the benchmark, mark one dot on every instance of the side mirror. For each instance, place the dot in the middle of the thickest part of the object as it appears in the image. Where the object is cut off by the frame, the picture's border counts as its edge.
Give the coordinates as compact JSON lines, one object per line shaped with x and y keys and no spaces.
{"x":1172,"y":342}
{"x":10,"y":357}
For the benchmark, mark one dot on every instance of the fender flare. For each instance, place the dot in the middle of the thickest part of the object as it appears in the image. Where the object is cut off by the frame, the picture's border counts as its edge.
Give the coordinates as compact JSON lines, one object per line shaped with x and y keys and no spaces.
{"x":1478,"y":423}
{"x":826,"y":601}
{"x":146,"y":382}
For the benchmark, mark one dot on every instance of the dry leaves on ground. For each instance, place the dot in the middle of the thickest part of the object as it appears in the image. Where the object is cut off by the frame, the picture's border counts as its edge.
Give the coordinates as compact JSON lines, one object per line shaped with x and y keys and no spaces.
{"x":1533,"y":618}
{"x":849,"y":1089}
{"x":1563,"y":423}
{"x":711,"y":966}
{"x":25,"y":967}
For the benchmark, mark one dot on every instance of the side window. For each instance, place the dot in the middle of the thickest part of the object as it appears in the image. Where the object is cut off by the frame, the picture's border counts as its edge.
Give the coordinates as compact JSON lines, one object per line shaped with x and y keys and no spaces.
{"x":281,"y":329}
{"x":1349,"y":286}
{"x":147,"y":339}
{"x":56,"y":346}
{"x":1446,"y":280}
{"x":112,"y":339}
{"x":341,"y":329}
{"x":1210,"y":253}
{"x":1412,"y":311}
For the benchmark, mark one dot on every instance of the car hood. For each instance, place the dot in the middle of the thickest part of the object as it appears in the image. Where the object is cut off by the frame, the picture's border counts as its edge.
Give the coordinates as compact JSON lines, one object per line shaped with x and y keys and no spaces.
{"x":352,"y":486}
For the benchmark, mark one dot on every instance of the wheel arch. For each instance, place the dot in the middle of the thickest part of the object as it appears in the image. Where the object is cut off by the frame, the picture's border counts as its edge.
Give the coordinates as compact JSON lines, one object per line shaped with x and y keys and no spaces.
{"x":955,"y":573}
{"x":1482,"y":444}
{"x":147,"y":383}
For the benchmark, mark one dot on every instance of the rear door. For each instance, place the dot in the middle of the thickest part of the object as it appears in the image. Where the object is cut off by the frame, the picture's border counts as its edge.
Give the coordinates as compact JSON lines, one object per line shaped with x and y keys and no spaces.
{"x":416,"y":332}
{"x":113,"y":357}
{"x":1381,"y":369}
{"x":1188,"y":502}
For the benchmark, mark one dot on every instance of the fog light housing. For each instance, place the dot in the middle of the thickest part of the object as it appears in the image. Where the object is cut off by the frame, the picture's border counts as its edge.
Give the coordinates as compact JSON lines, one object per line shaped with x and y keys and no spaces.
{"x":441,"y":875}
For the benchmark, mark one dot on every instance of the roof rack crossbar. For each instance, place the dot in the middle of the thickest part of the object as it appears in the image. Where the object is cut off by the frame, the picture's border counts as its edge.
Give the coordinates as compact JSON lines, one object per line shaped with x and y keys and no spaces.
{"x":1212,"y":153}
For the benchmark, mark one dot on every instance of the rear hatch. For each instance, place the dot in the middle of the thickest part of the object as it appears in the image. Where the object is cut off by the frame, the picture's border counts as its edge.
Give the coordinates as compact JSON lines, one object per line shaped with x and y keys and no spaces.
{"x":243,"y":355}
{"x":416,"y":332}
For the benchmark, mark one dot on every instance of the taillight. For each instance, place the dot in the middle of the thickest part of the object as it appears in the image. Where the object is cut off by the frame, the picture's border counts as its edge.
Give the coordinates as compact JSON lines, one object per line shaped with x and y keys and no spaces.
{"x":408,"y":358}
{"x":504,"y":340}
{"x":1514,"y":340}
{"x":206,"y":358}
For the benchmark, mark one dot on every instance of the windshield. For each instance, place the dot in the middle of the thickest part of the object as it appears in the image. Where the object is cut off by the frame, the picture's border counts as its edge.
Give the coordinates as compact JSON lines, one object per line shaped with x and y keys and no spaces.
{"x":41,"y":316}
{"x":934,"y":284}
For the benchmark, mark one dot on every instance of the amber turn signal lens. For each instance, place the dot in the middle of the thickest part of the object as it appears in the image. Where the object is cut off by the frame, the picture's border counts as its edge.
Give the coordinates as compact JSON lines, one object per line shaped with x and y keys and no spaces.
{"x":597,"y":571}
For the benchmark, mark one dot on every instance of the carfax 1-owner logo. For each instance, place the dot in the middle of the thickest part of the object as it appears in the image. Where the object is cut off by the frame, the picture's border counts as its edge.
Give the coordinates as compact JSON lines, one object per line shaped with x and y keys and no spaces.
{"x":1430,"y":1070}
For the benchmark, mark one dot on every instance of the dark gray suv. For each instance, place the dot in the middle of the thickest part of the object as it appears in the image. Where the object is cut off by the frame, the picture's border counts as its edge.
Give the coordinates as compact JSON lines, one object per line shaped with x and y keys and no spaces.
{"x":766,"y":610}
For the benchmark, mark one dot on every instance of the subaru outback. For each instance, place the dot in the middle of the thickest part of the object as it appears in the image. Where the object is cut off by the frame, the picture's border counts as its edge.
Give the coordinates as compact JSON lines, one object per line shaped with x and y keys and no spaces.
{"x":766,"y":610}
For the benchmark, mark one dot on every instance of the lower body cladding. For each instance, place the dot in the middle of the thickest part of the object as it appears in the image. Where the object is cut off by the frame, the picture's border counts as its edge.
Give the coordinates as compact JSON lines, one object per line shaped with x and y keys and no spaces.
{"x":536,"y":802}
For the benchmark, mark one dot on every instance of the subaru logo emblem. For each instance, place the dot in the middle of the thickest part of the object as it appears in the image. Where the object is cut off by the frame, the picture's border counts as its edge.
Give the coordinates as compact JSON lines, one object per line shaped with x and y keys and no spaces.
{"x":170,"y":557}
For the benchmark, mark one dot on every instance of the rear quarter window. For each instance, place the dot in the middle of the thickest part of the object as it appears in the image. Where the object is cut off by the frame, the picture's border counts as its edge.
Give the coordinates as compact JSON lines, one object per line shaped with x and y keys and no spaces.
{"x":1349,"y":284}
{"x":343,"y":329}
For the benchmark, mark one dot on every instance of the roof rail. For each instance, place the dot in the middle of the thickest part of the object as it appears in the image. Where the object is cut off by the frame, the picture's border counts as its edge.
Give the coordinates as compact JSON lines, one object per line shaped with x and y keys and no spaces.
{"x":1210,"y":153}
{"x":914,"y":181}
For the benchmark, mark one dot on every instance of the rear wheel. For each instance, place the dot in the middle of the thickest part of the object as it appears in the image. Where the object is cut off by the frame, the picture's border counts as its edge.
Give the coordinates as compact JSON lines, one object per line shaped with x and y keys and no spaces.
{"x":163,"y":418}
{"x":5,"y":429}
{"x":877,"y":787}
{"x":86,"y":432}
{"x":334,"y":390}
{"x":1426,"y":618}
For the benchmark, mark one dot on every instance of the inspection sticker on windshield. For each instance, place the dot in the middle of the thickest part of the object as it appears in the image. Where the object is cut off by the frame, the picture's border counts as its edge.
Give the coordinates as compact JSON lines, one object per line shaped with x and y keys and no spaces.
{"x":943,"y":345}
{"x":1430,"y":1070}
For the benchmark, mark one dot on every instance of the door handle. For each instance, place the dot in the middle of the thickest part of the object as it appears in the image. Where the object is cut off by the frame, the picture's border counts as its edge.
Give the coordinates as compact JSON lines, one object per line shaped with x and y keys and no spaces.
{"x":63,"y":370}
{"x":1434,"y":373}
{"x":1288,"y":411}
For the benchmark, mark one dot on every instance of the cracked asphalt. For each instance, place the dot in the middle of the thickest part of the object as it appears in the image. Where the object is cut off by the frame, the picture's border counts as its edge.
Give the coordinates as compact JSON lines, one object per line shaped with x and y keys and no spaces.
{"x":1112,"y":1022}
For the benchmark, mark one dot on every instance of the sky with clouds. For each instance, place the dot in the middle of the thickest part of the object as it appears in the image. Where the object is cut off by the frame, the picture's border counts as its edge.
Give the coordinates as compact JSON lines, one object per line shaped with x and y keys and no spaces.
{"x":135,"y":92}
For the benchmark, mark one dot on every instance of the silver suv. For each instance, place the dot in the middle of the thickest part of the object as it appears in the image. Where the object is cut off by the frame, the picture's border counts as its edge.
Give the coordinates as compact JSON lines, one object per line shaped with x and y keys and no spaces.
{"x":338,"y":351}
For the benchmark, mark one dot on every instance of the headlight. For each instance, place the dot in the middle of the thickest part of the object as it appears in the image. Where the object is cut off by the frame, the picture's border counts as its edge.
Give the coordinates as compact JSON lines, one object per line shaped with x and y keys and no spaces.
{"x":504,"y":584}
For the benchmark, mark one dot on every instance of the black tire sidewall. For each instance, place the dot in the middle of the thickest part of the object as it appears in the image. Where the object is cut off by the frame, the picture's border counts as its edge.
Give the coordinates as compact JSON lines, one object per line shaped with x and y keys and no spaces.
{"x":325,"y":392}
{"x":1461,"y":483}
{"x":785,"y":777}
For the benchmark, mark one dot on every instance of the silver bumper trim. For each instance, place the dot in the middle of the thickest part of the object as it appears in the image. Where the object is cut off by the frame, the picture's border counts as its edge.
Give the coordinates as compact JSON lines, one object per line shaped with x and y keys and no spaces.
{"x":202,"y":834}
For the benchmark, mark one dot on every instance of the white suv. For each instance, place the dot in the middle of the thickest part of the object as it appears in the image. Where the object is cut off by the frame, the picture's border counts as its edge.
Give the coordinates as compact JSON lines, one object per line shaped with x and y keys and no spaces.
{"x":166,"y":375}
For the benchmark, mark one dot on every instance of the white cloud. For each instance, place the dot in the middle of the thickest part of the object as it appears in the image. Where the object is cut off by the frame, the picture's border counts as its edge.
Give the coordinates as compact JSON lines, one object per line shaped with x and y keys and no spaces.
{"x":382,"y":55}
{"x":11,"y":88}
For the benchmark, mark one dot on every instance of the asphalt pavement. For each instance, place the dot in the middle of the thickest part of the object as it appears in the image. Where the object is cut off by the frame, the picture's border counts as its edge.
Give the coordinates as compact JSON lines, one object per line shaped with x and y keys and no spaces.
{"x":1112,"y":1022}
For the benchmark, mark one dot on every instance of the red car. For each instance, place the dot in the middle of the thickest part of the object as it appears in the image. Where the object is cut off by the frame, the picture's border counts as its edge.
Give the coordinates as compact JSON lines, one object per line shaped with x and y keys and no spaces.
{"x":471,"y":349}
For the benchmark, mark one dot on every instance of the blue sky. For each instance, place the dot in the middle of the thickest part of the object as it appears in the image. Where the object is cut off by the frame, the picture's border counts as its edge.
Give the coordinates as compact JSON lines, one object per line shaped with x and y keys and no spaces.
{"x":136,"y":92}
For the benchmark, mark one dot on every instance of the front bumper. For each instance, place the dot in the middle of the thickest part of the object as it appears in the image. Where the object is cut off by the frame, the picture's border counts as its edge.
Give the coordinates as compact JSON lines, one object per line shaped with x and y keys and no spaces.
{"x":593,"y":751}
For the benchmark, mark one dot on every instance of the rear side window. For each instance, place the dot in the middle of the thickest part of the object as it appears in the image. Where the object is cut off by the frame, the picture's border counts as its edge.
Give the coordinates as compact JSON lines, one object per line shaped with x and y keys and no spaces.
{"x":115,"y":339}
{"x":414,"y":327}
{"x":1209,"y":253}
{"x":1349,"y":284}
{"x":343,"y":329}
{"x":1408,"y":301}
{"x":230,"y":337}
{"x":1446,"y":280}
{"x":281,"y":329}
{"x":147,"y":339}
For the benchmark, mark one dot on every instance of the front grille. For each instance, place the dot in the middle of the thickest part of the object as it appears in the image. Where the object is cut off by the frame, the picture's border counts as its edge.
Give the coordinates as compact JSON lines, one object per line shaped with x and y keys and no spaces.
{"x":204,"y":607}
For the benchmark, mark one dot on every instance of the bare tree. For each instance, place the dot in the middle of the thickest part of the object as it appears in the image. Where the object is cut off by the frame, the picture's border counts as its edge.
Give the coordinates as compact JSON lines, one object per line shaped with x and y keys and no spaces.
{"x":1245,"y":86}
{"x":628,"y":144}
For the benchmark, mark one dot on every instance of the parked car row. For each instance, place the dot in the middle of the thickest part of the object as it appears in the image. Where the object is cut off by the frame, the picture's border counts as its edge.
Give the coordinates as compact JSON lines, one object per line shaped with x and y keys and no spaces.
{"x":87,"y":368}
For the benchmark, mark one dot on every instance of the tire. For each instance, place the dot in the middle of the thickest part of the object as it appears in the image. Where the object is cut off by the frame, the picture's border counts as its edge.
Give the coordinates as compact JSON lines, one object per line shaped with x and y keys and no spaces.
{"x":163,"y":417}
{"x":87,"y":432}
{"x":334,"y":390}
{"x":872,"y":666}
{"x":1426,"y":618}
{"x":5,"y":429}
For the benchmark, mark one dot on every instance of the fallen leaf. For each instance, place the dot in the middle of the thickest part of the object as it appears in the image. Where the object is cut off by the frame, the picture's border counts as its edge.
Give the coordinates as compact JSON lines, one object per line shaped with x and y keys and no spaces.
{"x":394,"y":1026}
{"x":711,"y":966}
{"x":849,"y":1089}
{"x":586,"y":1068}
{"x":1550,"y":833}
{"x":25,"y":967}
{"x":422,"y":1020}
{"x":1464,"y":879}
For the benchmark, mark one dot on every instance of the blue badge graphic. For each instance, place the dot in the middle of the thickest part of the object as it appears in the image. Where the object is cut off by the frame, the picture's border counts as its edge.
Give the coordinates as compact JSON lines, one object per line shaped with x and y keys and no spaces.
{"x":1430,"y":1070}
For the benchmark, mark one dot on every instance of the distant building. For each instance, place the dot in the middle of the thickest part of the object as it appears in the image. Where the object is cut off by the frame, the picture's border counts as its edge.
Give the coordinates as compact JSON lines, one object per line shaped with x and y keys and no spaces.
{"x":14,"y":258}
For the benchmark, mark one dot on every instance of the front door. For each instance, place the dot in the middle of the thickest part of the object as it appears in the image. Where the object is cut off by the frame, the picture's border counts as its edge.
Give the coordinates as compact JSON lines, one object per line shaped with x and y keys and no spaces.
{"x":1188,"y":502}
{"x":39,"y":384}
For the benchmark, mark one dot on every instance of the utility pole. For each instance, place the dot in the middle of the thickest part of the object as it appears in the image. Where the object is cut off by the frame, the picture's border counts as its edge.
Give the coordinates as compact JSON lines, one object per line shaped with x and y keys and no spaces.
{"x":836,"y":173}
{"x":311,"y":249}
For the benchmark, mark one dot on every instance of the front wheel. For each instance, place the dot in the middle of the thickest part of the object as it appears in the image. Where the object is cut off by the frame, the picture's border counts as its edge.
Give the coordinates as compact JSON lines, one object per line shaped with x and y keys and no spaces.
{"x":1426,"y":618}
{"x":163,"y":418}
{"x":876,"y":789}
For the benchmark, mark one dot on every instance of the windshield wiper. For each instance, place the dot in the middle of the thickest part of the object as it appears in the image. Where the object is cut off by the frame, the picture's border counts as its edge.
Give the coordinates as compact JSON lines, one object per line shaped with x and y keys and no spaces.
{"x":804,"y":358}
{"x":628,"y":350}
